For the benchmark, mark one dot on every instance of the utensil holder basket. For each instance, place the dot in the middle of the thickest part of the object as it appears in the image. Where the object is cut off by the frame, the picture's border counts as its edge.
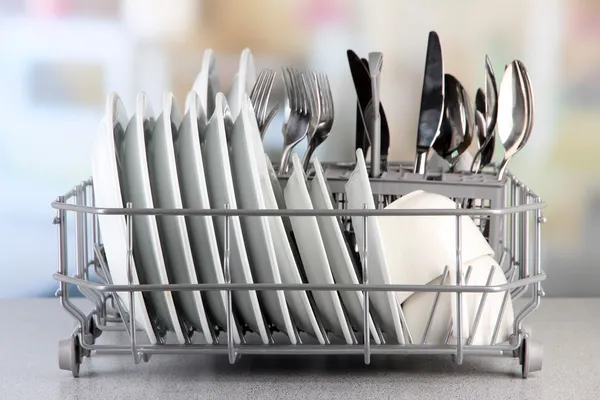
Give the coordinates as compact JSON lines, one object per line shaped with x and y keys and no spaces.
{"x":509,"y":212}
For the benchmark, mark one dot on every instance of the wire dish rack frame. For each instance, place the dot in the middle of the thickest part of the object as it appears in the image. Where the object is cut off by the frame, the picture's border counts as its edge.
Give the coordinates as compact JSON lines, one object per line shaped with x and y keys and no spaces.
{"x":508,"y":212}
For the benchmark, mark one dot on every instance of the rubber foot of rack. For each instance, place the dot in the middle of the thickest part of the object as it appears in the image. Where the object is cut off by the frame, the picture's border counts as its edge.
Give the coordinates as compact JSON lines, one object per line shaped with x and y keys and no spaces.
{"x":69,"y":355}
{"x":532,"y":354}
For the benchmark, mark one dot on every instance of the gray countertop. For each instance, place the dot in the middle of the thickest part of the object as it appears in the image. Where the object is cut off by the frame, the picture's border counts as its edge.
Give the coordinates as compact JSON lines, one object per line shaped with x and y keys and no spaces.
{"x":31,"y":329}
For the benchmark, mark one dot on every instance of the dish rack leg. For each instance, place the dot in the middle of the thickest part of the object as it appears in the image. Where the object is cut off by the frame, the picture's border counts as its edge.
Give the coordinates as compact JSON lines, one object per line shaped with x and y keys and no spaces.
{"x":531,"y":357}
{"x":70,"y":354}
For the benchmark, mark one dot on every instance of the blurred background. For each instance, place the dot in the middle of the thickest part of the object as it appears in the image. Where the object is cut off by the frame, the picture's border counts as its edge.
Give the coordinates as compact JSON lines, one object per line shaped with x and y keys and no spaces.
{"x":59,"y":59}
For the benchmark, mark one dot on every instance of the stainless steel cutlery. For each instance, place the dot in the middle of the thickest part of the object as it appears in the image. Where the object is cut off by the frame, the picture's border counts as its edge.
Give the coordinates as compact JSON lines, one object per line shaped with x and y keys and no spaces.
{"x":456,"y":131}
{"x":487,"y":104}
{"x":375,"y":66}
{"x":514,"y":113}
{"x":449,"y":123}
{"x":259,"y":96}
{"x":297,"y":113}
{"x":324,"y":109}
{"x":432,"y":102}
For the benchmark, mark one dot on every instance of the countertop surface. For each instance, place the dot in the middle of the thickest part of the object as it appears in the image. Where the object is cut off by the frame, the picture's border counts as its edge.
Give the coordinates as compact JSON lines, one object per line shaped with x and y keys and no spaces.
{"x":31,"y":329}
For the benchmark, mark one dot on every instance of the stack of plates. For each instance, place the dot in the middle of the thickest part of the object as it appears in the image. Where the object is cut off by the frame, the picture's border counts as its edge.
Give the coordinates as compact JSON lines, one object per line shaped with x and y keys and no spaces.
{"x":209,"y":156}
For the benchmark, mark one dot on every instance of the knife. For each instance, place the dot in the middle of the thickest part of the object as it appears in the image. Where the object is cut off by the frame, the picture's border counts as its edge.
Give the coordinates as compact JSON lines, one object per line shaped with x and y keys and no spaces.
{"x":362,"y":85}
{"x":359,"y":68}
{"x":432,"y":102}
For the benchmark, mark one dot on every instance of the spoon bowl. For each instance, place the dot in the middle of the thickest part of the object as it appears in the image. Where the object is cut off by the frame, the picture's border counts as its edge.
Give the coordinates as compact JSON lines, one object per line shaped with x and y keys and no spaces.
{"x":457,"y":123}
{"x":513,"y":113}
{"x":491,"y":97}
{"x":531,"y":101}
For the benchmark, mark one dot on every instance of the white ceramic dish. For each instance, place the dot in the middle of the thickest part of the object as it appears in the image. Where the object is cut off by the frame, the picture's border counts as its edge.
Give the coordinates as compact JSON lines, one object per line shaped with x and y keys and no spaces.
{"x":173,"y":230}
{"x":313,"y":253}
{"x":257,"y":232}
{"x":385,"y":305}
{"x":417,"y":308}
{"x":298,"y":301}
{"x":338,"y":251}
{"x":242,"y":83}
{"x":288,"y":259}
{"x":190,"y":167}
{"x":221,"y":191}
{"x":107,"y":193}
{"x":147,"y":249}
{"x":417,"y":248}
{"x":206,"y":84}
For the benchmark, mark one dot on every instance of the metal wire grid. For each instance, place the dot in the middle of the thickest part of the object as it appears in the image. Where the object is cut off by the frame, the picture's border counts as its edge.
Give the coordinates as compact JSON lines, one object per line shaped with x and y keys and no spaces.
{"x":521,"y":227}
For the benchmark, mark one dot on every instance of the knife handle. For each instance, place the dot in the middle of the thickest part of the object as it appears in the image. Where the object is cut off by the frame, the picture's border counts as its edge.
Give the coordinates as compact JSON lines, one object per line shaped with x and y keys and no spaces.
{"x":359,"y":138}
{"x":421,"y":163}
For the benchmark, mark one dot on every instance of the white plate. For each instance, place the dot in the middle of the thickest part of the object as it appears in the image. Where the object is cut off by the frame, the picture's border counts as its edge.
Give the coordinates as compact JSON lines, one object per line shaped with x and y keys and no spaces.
{"x":287,"y":258}
{"x":173,"y":229}
{"x":205,"y":250}
{"x":256,"y":230}
{"x":418,"y":247}
{"x":417,"y":308}
{"x":313,"y":254}
{"x":147,"y":250}
{"x":221,"y":192}
{"x":338,"y":251}
{"x":298,"y":301}
{"x":107,"y":193}
{"x":206,"y":84}
{"x":242,"y":83}
{"x":385,"y":305}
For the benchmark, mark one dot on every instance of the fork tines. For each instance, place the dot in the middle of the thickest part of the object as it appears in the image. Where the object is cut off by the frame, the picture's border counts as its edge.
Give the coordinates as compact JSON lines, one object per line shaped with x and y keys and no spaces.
{"x":259,"y":97}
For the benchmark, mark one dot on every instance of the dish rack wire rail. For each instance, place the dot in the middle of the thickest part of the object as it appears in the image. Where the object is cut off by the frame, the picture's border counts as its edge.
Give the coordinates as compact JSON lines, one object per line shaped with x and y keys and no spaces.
{"x":508,"y":212}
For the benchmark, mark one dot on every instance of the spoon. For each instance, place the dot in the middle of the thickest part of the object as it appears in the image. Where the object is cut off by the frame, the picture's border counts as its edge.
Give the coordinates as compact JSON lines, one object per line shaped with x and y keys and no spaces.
{"x":531,"y":100}
{"x":457,"y":122}
{"x":480,"y":129}
{"x":485,"y":137}
{"x":491,"y":112}
{"x":491,"y":96}
{"x":513,"y":113}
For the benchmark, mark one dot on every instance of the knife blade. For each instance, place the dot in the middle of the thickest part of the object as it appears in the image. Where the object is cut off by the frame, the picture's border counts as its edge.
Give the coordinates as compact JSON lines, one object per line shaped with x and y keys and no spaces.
{"x":362,"y":85}
{"x":432,"y":102}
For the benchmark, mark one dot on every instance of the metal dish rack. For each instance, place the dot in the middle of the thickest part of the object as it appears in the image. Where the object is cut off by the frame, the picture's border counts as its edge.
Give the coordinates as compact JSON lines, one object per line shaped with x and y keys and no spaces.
{"x":512,"y":211}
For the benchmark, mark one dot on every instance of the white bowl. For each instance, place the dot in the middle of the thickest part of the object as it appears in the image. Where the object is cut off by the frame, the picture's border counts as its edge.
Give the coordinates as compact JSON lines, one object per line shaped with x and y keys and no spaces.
{"x":417,"y":248}
{"x":417,"y":308}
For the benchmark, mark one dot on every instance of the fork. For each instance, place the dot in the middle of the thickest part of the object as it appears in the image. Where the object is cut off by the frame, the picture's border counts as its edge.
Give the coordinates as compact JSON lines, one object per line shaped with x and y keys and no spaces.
{"x":324,"y":112}
{"x":297,"y":113}
{"x":259,"y":97}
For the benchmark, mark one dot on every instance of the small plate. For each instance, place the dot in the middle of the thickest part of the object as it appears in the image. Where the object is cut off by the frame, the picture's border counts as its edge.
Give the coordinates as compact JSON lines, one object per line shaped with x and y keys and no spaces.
{"x":173,"y":229}
{"x":206,"y":84}
{"x":313,"y":253}
{"x":190,"y":166}
{"x":385,"y":305}
{"x":107,"y":193}
{"x":257,"y":233}
{"x":147,"y":249}
{"x":221,"y":192}
{"x":338,"y":251}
